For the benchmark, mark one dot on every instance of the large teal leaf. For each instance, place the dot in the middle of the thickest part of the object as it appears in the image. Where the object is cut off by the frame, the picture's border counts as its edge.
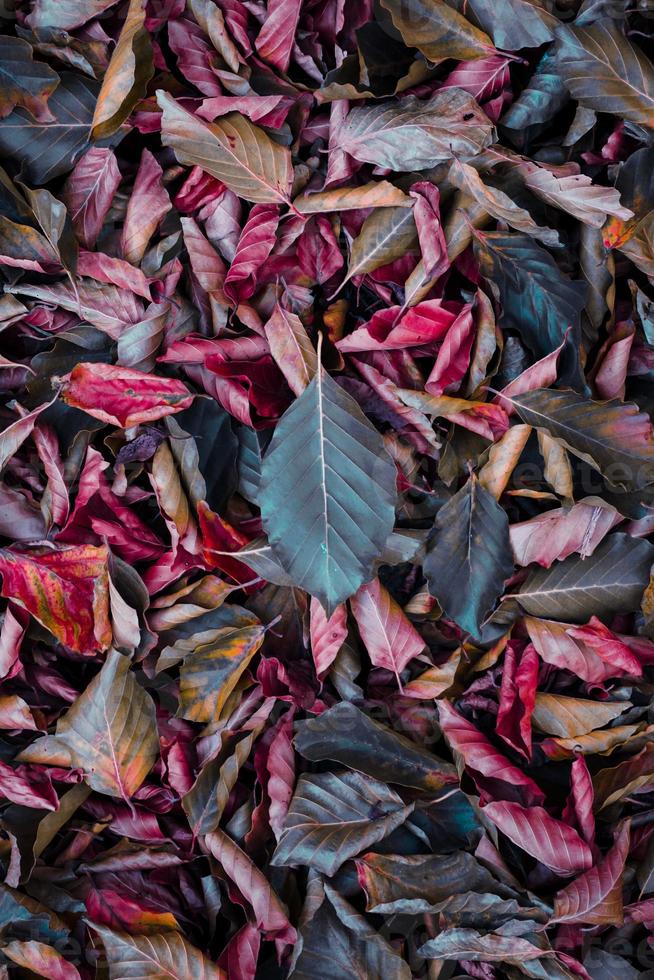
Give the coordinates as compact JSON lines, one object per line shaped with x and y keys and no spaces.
{"x":327,"y":493}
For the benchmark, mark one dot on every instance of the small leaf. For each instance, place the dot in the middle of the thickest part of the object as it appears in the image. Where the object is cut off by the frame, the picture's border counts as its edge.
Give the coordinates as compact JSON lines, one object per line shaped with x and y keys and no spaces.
{"x":391,"y":640}
{"x":375,"y":194}
{"x":291,"y":348}
{"x":209,"y":674}
{"x":386,"y":235}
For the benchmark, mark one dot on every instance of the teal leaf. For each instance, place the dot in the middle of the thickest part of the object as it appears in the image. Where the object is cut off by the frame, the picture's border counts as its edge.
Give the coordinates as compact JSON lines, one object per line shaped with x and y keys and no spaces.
{"x":471,"y":556}
{"x":327,"y":493}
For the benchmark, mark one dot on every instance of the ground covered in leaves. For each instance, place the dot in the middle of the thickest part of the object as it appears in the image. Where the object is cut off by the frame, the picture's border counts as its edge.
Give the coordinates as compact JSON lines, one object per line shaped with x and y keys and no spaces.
{"x":327,"y":489}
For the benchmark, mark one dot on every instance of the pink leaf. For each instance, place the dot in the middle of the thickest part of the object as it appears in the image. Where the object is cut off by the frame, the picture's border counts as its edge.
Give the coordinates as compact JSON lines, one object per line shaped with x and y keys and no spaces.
{"x":542,"y":374}
{"x":557,"y":533}
{"x":518,"y":697}
{"x":579,"y":808}
{"x":595,"y":898}
{"x":390,"y":329}
{"x":106,"y":268}
{"x":551,"y":842}
{"x":269,"y":912}
{"x":89,"y":192}
{"x":281,"y":772}
{"x":391,"y":640}
{"x":254,"y":247}
{"x":327,"y":635}
{"x":277,"y":36}
{"x":426,"y":212}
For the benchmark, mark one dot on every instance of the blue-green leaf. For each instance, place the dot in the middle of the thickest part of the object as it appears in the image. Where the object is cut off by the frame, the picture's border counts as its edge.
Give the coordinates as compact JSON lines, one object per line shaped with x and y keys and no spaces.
{"x":327,"y":493}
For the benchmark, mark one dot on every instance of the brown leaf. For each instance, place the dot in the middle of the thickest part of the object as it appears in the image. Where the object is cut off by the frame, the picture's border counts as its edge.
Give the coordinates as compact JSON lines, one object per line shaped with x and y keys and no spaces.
{"x":110,"y":731}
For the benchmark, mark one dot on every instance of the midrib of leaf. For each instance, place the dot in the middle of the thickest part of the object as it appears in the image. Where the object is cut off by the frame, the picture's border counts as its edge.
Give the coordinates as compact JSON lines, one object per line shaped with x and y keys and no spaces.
{"x":114,"y":760}
{"x":323,"y":465}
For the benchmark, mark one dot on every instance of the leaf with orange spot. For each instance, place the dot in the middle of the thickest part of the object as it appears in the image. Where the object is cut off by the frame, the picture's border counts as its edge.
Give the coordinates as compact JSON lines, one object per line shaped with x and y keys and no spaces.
{"x":209,"y":674}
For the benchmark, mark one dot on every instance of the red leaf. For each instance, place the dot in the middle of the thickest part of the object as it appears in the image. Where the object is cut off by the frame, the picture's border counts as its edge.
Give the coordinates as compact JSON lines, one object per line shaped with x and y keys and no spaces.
{"x":122,"y":396}
{"x":276,"y":37}
{"x":390,"y":329}
{"x":579,"y":808}
{"x":454,"y":355}
{"x":239,"y":958}
{"x":65,"y":589}
{"x":518,"y":697}
{"x":542,"y":374}
{"x":254,"y":247}
{"x":28,"y":787}
{"x":480,"y":755}
{"x":607,"y":646}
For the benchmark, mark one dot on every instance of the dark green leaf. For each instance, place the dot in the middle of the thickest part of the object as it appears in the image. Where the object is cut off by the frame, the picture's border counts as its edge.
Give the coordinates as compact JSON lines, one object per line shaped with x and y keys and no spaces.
{"x":536,"y":299}
{"x":345,"y":734}
{"x":335,"y":816}
{"x":470,"y":557}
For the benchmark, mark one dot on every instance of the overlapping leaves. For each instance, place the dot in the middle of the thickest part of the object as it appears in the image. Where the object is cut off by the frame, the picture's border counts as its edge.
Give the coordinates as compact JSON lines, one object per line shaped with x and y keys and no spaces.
{"x":326,"y":489}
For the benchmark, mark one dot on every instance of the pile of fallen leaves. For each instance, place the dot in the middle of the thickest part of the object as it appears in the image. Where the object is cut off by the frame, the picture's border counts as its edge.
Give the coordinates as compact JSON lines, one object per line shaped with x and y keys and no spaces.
{"x":327,"y":489}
